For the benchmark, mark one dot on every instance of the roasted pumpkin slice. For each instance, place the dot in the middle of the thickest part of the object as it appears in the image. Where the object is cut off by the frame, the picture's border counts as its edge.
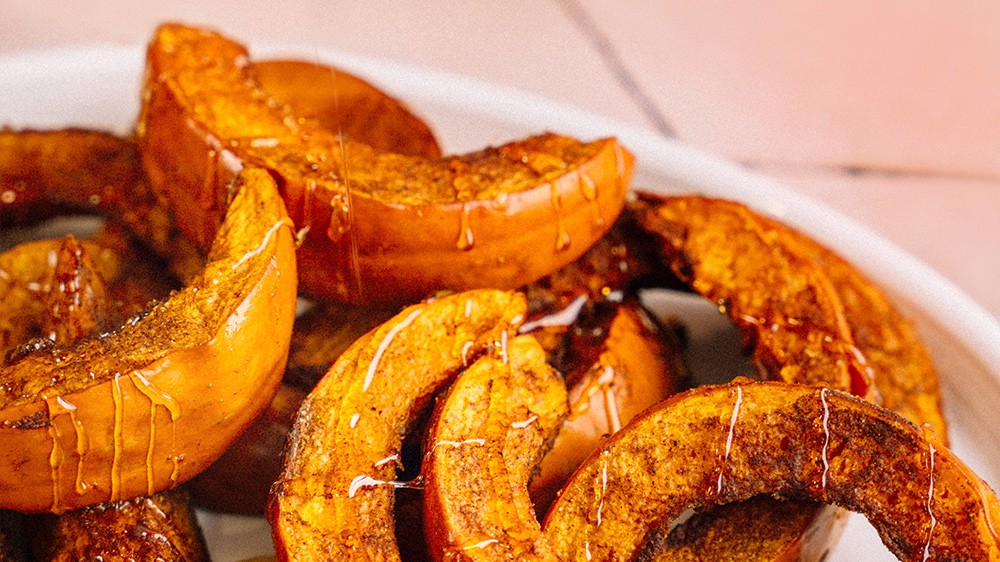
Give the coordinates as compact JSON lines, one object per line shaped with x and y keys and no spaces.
{"x":347,"y":105}
{"x":27,"y":277}
{"x":149,"y":405}
{"x":487,"y":435}
{"x":42,"y":172}
{"x":335,"y":497}
{"x":378,"y":226}
{"x":158,"y":527}
{"x":716,"y":445}
{"x":161,"y":526}
{"x":805,"y":310}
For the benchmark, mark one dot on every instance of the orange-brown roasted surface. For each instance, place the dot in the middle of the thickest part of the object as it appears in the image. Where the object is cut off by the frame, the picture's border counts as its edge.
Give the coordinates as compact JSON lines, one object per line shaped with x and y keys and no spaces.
{"x":805,"y":311}
{"x":715,"y":445}
{"x":158,"y":527}
{"x":335,"y":497}
{"x":379,"y":226}
{"x":72,"y":169}
{"x":756,"y":529}
{"x":488,"y":433}
{"x":148,"y":405}
{"x":161,"y":526}
{"x":347,"y":105}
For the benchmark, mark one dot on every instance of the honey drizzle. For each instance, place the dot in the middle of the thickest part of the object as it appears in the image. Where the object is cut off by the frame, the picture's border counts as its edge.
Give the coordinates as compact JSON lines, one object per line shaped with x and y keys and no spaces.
{"x":620,"y":168}
{"x":588,"y":187}
{"x":285,"y":221}
{"x":119,"y":438}
{"x":931,"y":451}
{"x":729,"y":439}
{"x":55,"y":457}
{"x":156,"y":398}
{"x":81,"y":442}
{"x":826,"y":438}
{"x":466,"y":239}
{"x":562,"y":237}
{"x":384,"y":344}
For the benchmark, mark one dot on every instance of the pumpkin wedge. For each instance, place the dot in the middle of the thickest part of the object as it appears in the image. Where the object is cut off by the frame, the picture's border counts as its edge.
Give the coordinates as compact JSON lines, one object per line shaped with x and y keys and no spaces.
{"x":157,"y":527}
{"x":149,"y":405}
{"x":161,"y":526}
{"x":334,"y":500}
{"x":804,"y":310}
{"x":347,"y":105}
{"x":715,"y":445}
{"x":487,"y":435}
{"x":378,"y":226}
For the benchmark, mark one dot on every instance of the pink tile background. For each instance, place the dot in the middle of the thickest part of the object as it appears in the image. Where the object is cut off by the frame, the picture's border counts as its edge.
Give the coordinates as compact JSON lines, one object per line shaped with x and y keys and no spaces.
{"x":808,"y":91}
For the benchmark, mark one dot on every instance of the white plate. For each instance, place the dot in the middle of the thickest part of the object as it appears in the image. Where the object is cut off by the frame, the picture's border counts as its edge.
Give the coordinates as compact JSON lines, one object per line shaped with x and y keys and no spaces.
{"x":97,"y":86}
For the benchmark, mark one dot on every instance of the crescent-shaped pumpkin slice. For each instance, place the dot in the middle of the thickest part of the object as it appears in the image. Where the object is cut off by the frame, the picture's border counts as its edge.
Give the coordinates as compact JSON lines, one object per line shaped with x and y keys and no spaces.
{"x":715,"y":445}
{"x":379,"y":226}
{"x":334,"y":500}
{"x":804,"y":311}
{"x":160,"y":526}
{"x":147,"y":406}
{"x":487,"y":435}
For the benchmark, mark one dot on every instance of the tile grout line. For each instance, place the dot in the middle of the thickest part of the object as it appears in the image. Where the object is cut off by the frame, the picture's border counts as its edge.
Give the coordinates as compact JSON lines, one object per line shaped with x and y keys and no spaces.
{"x":862,"y":170}
{"x":614,"y":62}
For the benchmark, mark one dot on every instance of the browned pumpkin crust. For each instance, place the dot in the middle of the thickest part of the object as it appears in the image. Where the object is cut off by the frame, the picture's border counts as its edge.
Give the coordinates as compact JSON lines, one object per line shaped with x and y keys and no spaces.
{"x":335,"y":497}
{"x":716,"y":445}
{"x":488,"y":433}
{"x":378,"y":226}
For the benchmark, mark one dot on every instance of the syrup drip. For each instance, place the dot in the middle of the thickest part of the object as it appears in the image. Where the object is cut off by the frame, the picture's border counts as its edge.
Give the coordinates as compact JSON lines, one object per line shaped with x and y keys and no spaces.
{"x":826,"y":438}
{"x":931,"y":451}
{"x":602,"y":481}
{"x":465,"y":237}
{"x":363,"y":481}
{"x":603,"y":383}
{"x":619,"y":168}
{"x":562,"y":318}
{"x":268,"y":236}
{"x":562,"y":237}
{"x":55,"y":460}
{"x":466,"y":347}
{"x":384,"y":344}
{"x":588,"y":187}
{"x":478,"y":545}
{"x":729,"y":439}
{"x":59,"y":406}
{"x":524,"y":424}
{"x":119,"y":438}
{"x":156,"y":398}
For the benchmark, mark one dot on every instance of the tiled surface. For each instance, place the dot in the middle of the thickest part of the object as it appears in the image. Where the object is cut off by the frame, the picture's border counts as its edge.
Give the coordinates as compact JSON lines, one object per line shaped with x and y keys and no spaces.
{"x":810,"y":92}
